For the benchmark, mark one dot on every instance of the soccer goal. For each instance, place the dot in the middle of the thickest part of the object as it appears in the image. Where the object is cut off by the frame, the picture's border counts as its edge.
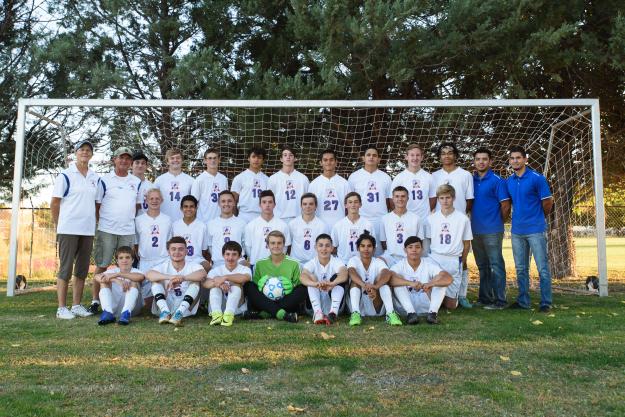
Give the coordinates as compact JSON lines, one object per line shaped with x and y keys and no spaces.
{"x":562,"y":138}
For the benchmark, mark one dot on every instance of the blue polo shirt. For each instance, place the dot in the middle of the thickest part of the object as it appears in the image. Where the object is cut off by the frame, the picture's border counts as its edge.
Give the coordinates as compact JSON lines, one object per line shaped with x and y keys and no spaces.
{"x":490,"y":190}
{"x":528,"y":192}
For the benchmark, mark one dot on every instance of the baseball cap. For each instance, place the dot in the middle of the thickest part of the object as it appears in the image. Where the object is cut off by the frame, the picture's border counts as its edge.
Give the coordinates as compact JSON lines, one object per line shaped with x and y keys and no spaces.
{"x":79,"y":144}
{"x":139,"y":155}
{"x":122,"y":151}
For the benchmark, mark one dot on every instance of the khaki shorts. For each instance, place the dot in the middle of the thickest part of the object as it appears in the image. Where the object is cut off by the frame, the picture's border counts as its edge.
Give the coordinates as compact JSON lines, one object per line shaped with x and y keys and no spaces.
{"x":106,"y":244}
{"x":74,"y":256}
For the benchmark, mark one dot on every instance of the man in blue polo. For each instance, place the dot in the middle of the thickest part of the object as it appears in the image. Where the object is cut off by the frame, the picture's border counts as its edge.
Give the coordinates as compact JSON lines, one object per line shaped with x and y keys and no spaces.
{"x":531,"y":202}
{"x":490,"y":207}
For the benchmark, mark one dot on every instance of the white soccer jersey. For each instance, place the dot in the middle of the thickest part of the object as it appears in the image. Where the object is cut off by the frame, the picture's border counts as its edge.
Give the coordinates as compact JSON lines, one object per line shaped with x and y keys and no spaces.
{"x":461,"y":180}
{"x":175,"y":295}
{"x":330,"y":194}
{"x":146,"y":185}
{"x":196,"y":236}
{"x":118,"y":197}
{"x":324,"y":273}
{"x":374,"y":188}
{"x":288,"y":189}
{"x":425,"y":272}
{"x":222,"y":270}
{"x":420,"y":186}
{"x":78,"y":196}
{"x":396,"y":229}
{"x":447,"y":233}
{"x":345,"y":234}
{"x":152,"y":236}
{"x":222,"y":230}
{"x":303,"y":236}
{"x":368,"y":275}
{"x":255,"y":233}
{"x":206,"y":188}
{"x":173,"y":187}
{"x":248,"y":185}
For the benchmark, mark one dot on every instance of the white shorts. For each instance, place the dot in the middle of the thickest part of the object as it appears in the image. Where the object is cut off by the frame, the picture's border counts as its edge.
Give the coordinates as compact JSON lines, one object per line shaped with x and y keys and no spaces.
{"x":118,"y":297}
{"x":453,"y":265}
{"x":144,"y":266}
{"x":241,"y":308}
{"x":367,"y":309}
{"x":420,"y":301}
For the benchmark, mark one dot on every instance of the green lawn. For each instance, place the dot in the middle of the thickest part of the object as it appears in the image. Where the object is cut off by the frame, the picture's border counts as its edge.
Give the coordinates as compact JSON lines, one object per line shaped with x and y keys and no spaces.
{"x":475,"y":363}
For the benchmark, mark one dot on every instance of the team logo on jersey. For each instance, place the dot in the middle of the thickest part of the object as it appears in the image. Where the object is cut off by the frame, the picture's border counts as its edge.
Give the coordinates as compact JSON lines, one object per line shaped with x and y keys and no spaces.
{"x":216,"y":188}
{"x":154,"y":229}
{"x":399,"y":227}
{"x":290,"y":185}
{"x":371,"y":186}
{"x":227,"y":230}
{"x":256,"y":184}
{"x":307,"y":233}
{"x":445,"y":227}
{"x":175,"y":186}
{"x":353,"y":234}
{"x":266,"y":231}
{"x":132,"y":187}
{"x":330,"y":193}
{"x":93,"y":183}
{"x":187,"y":239}
{"x":416,"y":184}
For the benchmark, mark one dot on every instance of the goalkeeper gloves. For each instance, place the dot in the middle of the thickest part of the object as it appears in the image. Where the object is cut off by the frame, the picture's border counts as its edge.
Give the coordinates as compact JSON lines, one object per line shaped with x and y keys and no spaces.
{"x":262,"y":281}
{"x":287,"y":285}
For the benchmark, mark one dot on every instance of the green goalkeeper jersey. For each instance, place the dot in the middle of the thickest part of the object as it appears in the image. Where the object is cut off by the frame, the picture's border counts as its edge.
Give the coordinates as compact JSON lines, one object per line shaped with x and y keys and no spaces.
{"x":288,"y":268}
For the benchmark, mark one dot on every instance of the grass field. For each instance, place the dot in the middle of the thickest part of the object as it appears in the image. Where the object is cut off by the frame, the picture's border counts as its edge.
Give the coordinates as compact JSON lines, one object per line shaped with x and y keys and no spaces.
{"x":477,"y":362}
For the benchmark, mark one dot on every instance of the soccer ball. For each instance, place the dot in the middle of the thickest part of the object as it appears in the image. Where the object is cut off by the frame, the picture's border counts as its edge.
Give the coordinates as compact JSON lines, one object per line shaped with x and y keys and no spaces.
{"x":273,"y":289}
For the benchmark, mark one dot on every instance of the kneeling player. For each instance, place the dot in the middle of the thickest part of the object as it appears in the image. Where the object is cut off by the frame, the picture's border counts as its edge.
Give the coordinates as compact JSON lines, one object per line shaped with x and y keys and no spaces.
{"x":175,"y":284}
{"x":119,"y":289}
{"x":371,"y":275}
{"x":225,"y":282}
{"x":324,"y":275}
{"x":419,"y":283}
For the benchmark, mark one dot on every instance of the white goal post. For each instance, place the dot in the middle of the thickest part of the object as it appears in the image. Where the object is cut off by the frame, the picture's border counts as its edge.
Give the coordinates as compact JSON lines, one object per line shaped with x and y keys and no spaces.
{"x":547,"y":127}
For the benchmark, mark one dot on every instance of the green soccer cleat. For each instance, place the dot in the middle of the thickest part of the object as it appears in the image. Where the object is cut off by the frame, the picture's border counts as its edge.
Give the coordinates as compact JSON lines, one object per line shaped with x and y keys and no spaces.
{"x":355,"y":319}
{"x":227,"y":319}
{"x":216,"y":318}
{"x":393,"y":319}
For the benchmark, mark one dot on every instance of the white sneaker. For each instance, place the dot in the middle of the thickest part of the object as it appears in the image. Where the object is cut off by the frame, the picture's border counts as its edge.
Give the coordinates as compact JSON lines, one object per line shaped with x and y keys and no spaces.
{"x":80,"y":311}
{"x":64,"y":313}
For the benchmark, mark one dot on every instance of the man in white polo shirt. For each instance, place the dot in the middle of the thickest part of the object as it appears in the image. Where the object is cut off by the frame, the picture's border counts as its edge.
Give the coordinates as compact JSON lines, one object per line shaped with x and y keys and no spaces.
{"x":288,"y":186}
{"x":248,"y":185}
{"x":207,"y":186}
{"x":417,"y":181}
{"x":174,"y":184}
{"x":119,"y":198}
{"x":330,"y":189}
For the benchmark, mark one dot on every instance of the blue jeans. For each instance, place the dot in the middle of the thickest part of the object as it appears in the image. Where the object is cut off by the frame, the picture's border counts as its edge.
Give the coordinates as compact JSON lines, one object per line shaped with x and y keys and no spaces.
{"x":487,"y":249}
{"x":521,"y":246}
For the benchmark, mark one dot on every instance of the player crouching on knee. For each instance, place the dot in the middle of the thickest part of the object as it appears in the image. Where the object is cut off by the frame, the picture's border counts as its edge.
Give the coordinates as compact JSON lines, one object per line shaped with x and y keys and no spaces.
{"x":325,"y":276}
{"x":419,"y":283}
{"x":175,"y":284}
{"x":119,"y":289}
{"x":225,"y":282}
{"x":370,"y":275}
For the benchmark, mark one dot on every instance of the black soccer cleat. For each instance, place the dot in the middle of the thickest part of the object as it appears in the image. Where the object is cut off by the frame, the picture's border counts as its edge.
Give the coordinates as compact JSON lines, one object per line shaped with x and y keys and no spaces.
{"x":94,"y":308}
{"x":332,"y":318}
{"x":432,"y":318}
{"x":412,"y":318}
{"x":290,"y":317}
{"x":251,"y":315}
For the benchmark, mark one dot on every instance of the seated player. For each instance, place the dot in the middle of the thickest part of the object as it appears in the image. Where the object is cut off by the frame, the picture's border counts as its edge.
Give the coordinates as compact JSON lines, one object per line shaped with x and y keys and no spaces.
{"x":449,"y":231}
{"x":225,"y":283}
{"x":175,"y":284}
{"x":304,"y":230}
{"x":419,"y":283}
{"x":194,"y":232}
{"x":325,"y":277}
{"x":119,"y":289}
{"x":370,"y":275}
{"x":346,"y":231}
{"x":286,"y":269}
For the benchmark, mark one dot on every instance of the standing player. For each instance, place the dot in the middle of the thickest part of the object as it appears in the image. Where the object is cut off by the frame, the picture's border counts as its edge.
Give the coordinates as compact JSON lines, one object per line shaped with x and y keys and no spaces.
{"x":174,"y":184}
{"x":288,"y":186}
{"x":194,"y":232}
{"x":224,"y":228}
{"x":248,"y":185}
{"x":207,"y":186}
{"x":346,"y":232}
{"x":304,"y":230}
{"x":325,"y":277}
{"x":370,"y":275}
{"x":225,"y":283}
{"x":175,"y":284}
{"x":140,"y":165}
{"x":417,"y":181}
{"x":256,"y":231}
{"x":397,"y":226}
{"x":330,"y":189}
{"x":419,"y":283}
{"x":374,"y":186}
{"x":450,"y":236}
{"x":119,"y":289}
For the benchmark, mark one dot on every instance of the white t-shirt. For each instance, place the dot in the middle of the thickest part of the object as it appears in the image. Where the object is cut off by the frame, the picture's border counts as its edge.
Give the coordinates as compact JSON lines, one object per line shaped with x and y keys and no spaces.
{"x":330,"y":194}
{"x":425,"y":272}
{"x":222,"y":230}
{"x":395,"y":230}
{"x":447,"y":233}
{"x":255,"y":233}
{"x":374,"y":188}
{"x":324,"y":273}
{"x":78,"y":195}
{"x":196,"y":236}
{"x":206,"y":188}
{"x":345,"y":234}
{"x":303,"y":236}
{"x":367,"y":275}
{"x":288,"y":189}
{"x":173,"y":187}
{"x":222,"y":270}
{"x":420,"y":186}
{"x":248,"y":185}
{"x":118,"y":197}
{"x":461,"y":180}
{"x":152,"y":236}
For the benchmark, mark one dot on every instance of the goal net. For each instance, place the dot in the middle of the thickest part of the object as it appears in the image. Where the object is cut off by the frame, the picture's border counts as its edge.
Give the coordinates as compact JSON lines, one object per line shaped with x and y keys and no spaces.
{"x":558,"y":135}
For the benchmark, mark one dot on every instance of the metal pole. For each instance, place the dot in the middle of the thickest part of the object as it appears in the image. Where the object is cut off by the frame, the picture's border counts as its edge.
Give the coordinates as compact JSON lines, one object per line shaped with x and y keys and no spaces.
{"x":602,"y":257}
